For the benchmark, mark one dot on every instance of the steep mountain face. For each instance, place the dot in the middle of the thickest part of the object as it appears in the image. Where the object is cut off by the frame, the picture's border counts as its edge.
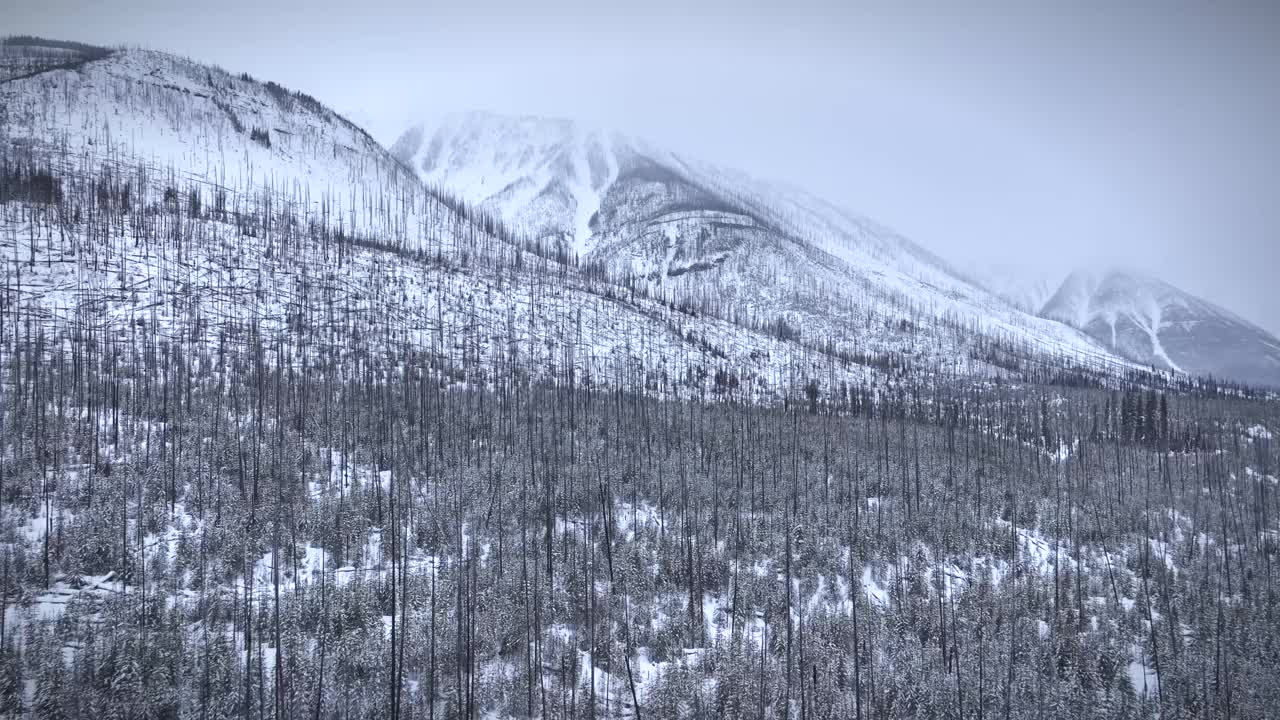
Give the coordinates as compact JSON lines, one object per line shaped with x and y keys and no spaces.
{"x":195,"y":125}
{"x":718,"y":237}
{"x":1150,"y":321}
{"x":546,"y":176}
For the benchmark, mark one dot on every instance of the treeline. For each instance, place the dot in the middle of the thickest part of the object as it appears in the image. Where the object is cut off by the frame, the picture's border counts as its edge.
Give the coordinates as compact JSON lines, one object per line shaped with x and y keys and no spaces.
{"x":33,"y":44}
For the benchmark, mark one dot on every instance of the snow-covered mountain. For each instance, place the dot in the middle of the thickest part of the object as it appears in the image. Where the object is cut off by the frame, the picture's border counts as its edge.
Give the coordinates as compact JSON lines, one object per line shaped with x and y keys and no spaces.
{"x":1026,"y":288}
{"x":180,"y":196}
{"x":686,"y":269}
{"x":252,"y":206}
{"x":1150,"y":321}
{"x":546,"y":176}
{"x":197,"y":125}
{"x":752,"y":248}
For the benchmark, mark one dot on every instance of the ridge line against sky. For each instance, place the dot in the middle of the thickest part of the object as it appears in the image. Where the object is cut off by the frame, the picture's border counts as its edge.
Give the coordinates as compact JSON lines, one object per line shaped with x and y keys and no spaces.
{"x":1018,"y":135}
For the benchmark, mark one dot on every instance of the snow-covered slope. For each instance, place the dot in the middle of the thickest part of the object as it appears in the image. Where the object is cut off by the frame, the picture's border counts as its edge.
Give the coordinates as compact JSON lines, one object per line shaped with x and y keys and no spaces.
{"x":197,"y":125}
{"x":1151,"y":321}
{"x":719,"y":237}
{"x":546,"y":176}
{"x":1026,"y":288}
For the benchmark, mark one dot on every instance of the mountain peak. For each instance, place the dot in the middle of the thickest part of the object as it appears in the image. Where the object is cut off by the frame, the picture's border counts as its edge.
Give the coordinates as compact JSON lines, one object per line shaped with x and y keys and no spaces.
{"x":1149,"y":320}
{"x":545,"y":175}
{"x":764,"y":249}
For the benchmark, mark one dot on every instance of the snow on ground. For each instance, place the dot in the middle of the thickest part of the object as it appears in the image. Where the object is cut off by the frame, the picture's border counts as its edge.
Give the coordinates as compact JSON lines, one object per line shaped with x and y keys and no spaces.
{"x":1064,"y":452}
{"x":875,"y":592}
{"x":1259,"y":432}
{"x":53,"y":602}
{"x":1259,"y":477}
{"x":1142,"y":674}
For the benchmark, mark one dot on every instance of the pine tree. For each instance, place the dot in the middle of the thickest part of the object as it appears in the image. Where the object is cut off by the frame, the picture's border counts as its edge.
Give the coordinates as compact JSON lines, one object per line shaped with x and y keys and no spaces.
{"x":11,"y":680}
{"x":48,"y":701}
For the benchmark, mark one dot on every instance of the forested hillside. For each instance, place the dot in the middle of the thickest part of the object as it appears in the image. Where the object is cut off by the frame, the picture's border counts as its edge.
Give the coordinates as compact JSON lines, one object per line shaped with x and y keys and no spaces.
{"x":309,"y":511}
{"x":259,"y":459}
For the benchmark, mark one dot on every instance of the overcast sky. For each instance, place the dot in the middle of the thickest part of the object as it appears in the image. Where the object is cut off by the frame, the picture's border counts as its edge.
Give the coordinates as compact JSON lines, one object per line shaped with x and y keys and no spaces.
{"x":1019,"y":133}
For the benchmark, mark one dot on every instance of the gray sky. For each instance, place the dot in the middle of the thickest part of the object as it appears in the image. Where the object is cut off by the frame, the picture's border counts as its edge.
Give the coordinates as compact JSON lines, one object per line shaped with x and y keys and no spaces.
{"x":1023,"y":133}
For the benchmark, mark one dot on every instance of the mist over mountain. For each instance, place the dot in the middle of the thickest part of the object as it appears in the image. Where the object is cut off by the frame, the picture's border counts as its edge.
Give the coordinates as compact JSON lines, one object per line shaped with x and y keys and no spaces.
{"x":1026,"y":288}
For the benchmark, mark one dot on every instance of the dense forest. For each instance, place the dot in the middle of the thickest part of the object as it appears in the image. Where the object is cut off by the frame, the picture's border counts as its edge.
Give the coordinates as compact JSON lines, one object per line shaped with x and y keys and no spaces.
{"x":204,"y":534}
{"x":234,"y":485}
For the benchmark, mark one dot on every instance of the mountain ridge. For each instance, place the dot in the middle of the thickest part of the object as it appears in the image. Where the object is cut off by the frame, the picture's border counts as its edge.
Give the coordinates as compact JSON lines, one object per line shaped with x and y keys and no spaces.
{"x":683,"y":224}
{"x":1150,"y":320}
